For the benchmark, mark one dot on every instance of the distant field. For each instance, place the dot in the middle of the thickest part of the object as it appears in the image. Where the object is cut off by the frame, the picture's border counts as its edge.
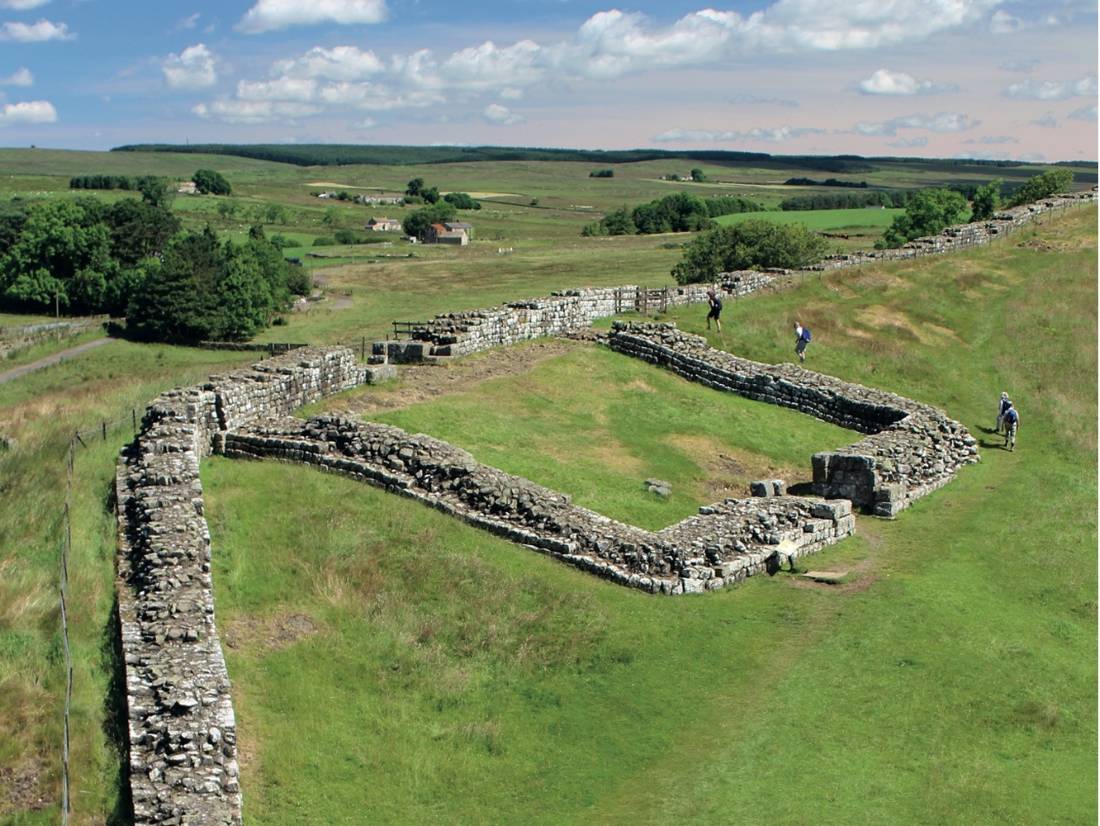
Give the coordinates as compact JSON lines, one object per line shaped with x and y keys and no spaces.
{"x":822,"y":220}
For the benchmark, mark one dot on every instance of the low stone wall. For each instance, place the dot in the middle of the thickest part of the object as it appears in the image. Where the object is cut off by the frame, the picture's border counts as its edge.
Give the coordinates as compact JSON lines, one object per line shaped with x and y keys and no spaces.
{"x":913,"y":448}
{"x":456,"y":334}
{"x":725,"y":543}
{"x":961,"y":236}
{"x":183,"y":759}
{"x":20,"y":338}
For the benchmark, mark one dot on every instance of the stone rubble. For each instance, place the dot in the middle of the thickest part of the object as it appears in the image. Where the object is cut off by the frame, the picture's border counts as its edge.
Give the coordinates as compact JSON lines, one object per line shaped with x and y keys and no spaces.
{"x":911,"y":449}
{"x":725,"y":543}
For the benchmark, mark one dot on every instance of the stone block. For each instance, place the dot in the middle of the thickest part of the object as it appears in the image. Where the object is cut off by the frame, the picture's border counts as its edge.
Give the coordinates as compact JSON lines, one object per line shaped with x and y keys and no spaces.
{"x":376,"y":374}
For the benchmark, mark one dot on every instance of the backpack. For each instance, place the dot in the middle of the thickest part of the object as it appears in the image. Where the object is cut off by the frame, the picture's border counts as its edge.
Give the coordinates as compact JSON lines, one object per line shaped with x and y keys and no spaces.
{"x":806,"y":335}
{"x":1011,"y":416}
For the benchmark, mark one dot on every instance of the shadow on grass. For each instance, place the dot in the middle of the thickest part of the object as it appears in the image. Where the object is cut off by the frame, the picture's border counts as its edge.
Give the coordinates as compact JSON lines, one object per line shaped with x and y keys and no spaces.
{"x":115,"y":719}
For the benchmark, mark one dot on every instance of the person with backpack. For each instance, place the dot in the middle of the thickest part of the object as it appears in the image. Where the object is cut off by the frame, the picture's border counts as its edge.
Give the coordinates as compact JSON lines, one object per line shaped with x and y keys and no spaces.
{"x":715,"y":309}
{"x":1002,"y":406}
{"x":1011,"y":421}
{"x":802,"y":338}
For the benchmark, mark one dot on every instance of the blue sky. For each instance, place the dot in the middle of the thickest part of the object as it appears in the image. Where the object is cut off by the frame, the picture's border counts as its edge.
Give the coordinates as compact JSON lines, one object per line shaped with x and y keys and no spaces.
{"x":945,"y":78}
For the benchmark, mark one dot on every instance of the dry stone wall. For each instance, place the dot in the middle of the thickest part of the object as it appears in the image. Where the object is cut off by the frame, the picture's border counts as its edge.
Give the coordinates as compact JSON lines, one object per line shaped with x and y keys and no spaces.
{"x":456,"y":334}
{"x":723,"y":544}
{"x":183,"y":753}
{"x":912,"y":448}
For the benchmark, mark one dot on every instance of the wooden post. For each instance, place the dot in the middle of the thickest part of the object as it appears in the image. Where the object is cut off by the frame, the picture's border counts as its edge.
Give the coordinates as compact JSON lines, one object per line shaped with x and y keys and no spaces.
{"x":104,"y":425}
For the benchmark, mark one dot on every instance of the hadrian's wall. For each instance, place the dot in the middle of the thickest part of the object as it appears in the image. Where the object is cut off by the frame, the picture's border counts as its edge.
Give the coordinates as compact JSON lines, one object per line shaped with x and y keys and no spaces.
{"x":183,"y":758}
{"x":912,"y":448}
{"x":723,"y":544}
{"x":455,"y":334}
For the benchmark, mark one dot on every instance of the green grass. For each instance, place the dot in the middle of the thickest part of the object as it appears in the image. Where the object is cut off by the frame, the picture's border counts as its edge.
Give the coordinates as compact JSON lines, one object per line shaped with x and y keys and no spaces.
{"x":822,"y":220}
{"x":596,"y":425}
{"x":444,"y":675}
{"x":39,"y":412}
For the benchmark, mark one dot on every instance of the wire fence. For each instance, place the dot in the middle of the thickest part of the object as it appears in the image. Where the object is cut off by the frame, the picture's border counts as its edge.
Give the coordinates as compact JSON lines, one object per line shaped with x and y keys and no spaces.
{"x":79,"y":439}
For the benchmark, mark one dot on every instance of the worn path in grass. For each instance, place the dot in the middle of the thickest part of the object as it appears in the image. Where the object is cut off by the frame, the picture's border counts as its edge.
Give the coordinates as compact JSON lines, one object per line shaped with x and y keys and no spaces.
{"x":55,"y":358}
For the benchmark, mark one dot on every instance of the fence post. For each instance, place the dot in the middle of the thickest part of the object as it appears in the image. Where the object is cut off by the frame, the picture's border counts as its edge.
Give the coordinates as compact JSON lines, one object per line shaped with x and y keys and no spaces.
{"x":104,"y":427}
{"x":363,"y":349}
{"x":133,"y":418}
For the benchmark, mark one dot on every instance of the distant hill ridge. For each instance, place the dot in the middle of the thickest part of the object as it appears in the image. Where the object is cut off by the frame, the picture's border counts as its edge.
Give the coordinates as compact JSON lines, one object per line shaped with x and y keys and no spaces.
{"x":344,"y":154}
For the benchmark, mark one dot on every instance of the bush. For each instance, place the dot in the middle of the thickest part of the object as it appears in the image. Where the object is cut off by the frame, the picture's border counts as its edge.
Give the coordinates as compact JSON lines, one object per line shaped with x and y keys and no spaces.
{"x":929,"y":212}
{"x":416,"y":223}
{"x":346,"y":236}
{"x":461,"y":200}
{"x":602,"y":173}
{"x":1042,"y":186}
{"x":207,"y":181}
{"x":752,"y":244}
{"x":324,"y":241}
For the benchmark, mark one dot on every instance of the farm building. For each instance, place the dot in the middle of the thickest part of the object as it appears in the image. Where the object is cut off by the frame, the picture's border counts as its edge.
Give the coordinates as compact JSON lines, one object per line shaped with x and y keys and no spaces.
{"x":447,"y":234}
{"x":383,"y":225}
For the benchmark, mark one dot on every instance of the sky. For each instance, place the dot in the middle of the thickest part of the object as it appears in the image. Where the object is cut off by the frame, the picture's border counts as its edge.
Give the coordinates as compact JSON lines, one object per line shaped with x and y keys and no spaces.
{"x":932,"y":78}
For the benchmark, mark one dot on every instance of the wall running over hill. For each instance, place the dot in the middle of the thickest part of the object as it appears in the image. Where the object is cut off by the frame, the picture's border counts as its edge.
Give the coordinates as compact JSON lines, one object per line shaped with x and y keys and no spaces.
{"x":723,"y":544}
{"x":456,"y":334}
{"x":913,"y":448}
{"x":183,"y":753}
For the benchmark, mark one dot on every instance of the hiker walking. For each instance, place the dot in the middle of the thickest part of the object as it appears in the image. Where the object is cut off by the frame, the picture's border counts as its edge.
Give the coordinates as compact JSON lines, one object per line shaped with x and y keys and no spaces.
{"x":802,"y":338}
{"x":715,"y":309}
{"x":1011,"y":421}
{"x":1002,"y":405}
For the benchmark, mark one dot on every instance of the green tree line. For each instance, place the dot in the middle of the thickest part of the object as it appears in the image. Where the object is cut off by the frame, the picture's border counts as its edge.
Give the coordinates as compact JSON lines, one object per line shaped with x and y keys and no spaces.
{"x":679,"y":212}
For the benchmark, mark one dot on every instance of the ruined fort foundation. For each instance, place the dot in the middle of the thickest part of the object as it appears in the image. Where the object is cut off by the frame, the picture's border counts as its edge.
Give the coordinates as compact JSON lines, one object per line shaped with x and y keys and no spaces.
{"x":182,"y":732}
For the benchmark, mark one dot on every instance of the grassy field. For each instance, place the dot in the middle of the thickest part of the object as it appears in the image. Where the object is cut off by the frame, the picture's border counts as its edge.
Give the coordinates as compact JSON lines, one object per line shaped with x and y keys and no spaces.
{"x":953,"y":680}
{"x":822,"y":220}
{"x":510,"y":666}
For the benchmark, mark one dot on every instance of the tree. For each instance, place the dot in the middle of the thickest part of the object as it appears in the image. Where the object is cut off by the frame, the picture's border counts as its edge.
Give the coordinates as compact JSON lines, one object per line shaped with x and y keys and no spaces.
{"x":416,"y":223}
{"x":178,"y":300}
{"x":697,"y":175}
{"x":139,"y":230}
{"x":62,"y":254}
{"x":414,"y":187}
{"x":154,"y":191}
{"x":461,"y":200}
{"x":929,"y":212}
{"x":986,"y":200}
{"x":1042,"y":186}
{"x":430,"y":195}
{"x":211,"y":182}
{"x":752,"y":244}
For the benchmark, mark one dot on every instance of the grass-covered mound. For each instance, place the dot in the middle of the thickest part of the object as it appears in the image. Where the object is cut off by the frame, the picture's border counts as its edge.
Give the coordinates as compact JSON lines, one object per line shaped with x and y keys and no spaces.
{"x":392,"y":664}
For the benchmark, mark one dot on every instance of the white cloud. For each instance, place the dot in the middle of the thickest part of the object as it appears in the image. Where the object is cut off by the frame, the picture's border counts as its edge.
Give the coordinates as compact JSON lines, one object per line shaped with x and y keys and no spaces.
{"x":337,"y":63}
{"x":292,"y":89}
{"x":502,"y":115}
{"x":272,"y":15}
{"x":909,"y":143}
{"x":885,"y":82}
{"x":940,"y":122}
{"x":38,"y":32}
{"x":607,"y":45}
{"x":1047,"y":121}
{"x":1052,"y":89}
{"x":188,"y":22}
{"x":193,"y":68}
{"x":31,"y":111}
{"x":767,"y":134}
{"x":1024,"y":65}
{"x":365,"y":123}
{"x":20,"y":77}
{"x":1004,"y":23}
{"x":1084,"y":113}
{"x":253,"y":111}
{"x":22,"y":5}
